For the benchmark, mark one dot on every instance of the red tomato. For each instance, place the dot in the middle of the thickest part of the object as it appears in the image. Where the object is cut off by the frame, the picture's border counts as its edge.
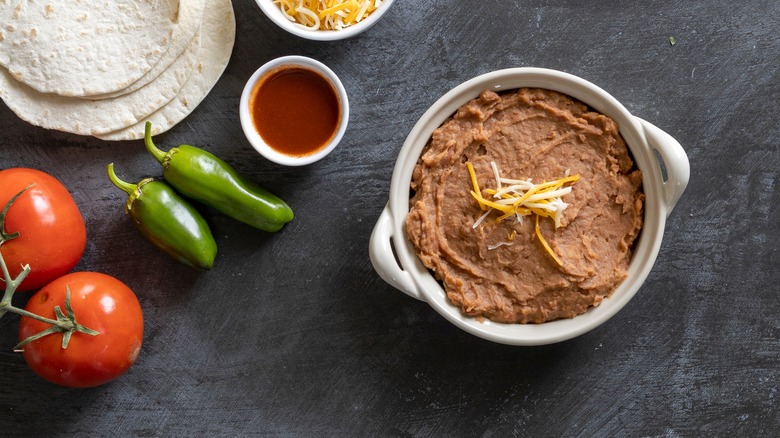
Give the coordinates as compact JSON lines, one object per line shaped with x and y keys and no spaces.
{"x":52,"y":234}
{"x":100,"y":302}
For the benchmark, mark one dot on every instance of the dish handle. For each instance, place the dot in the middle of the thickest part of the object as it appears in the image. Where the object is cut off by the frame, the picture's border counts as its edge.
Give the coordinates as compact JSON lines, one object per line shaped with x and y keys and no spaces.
{"x":675,"y":161}
{"x":381,"y":250}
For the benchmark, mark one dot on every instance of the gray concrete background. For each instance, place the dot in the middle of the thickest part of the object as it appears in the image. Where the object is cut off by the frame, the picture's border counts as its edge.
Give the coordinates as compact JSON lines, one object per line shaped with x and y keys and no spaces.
{"x":293,"y":334}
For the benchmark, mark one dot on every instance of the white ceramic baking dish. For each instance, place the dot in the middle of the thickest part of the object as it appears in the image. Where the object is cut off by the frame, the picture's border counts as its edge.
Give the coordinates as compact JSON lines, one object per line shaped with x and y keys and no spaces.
{"x":664,"y":181}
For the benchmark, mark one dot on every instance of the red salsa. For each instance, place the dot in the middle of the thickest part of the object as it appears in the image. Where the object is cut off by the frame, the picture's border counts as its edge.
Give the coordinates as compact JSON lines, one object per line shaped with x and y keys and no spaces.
{"x":295,"y":110}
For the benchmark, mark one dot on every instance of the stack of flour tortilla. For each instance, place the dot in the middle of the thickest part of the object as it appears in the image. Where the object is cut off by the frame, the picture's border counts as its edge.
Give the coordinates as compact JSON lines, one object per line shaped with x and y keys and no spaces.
{"x":105,"y":68}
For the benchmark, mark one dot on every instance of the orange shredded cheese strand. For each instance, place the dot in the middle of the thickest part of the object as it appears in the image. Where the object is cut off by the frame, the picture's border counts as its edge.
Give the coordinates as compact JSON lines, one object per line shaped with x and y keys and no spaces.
{"x":545,"y":245}
{"x":527,"y":195}
{"x":332,"y":10}
{"x":488,"y":203}
{"x":505,"y":215}
{"x":477,"y":193}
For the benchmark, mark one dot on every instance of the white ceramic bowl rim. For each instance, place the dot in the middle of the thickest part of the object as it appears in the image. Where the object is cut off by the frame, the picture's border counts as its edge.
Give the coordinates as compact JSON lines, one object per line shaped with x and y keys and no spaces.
{"x":406,"y":272}
{"x":248,"y":126}
{"x":275,"y":14}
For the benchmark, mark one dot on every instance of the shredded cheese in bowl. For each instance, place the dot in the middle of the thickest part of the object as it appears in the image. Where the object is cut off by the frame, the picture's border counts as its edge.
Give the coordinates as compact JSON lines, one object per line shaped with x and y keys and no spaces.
{"x":520,"y":198}
{"x":327,"y":14}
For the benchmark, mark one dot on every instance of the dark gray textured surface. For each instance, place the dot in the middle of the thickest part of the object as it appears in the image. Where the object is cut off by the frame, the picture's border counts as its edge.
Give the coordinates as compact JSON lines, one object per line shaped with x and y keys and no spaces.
{"x":294,"y":334}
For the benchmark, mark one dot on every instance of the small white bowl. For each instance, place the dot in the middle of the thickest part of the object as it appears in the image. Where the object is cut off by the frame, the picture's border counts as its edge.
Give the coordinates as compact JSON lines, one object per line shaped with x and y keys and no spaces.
{"x":394,"y":257}
{"x":273,"y":12}
{"x":251,"y":132}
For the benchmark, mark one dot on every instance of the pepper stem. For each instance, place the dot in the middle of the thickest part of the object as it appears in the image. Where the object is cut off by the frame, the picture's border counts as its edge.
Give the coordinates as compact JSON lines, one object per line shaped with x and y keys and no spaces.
{"x":124,"y":186}
{"x":158,"y":154}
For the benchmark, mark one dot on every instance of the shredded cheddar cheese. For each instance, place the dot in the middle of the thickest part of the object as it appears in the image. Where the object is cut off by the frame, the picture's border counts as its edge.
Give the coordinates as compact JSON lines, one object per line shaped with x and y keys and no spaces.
{"x":327,"y":14}
{"x":520,"y":198}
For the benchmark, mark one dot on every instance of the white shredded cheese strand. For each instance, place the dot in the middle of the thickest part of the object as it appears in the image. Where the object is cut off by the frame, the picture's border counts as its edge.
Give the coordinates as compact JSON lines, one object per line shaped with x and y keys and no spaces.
{"x":515,"y":188}
{"x":499,"y":245}
{"x":314,"y":21}
{"x":482,"y":218}
{"x":555,"y":194}
{"x":548,"y":207}
{"x":362,"y":11}
{"x":498,"y":178}
{"x":516,"y":181}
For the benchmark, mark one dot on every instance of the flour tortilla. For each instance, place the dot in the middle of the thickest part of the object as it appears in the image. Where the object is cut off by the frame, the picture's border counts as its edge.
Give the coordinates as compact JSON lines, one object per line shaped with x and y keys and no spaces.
{"x":190,"y":16}
{"x":92,"y":117}
{"x":80,"y":48}
{"x":218,"y":31}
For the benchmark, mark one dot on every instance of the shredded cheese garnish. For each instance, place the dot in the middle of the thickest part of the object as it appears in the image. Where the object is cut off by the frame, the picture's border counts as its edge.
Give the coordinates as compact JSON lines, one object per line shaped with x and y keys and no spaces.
{"x":520,"y":198}
{"x":327,"y":14}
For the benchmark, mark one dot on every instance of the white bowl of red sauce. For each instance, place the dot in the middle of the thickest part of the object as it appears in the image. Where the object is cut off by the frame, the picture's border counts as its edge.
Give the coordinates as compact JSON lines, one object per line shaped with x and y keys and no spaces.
{"x":294,"y":110}
{"x":339,"y":21}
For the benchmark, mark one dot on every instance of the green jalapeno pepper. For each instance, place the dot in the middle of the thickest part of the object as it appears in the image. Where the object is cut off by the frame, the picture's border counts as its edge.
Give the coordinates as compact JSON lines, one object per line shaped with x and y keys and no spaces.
{"x":168,"y":221}
{"x":199,"y":175}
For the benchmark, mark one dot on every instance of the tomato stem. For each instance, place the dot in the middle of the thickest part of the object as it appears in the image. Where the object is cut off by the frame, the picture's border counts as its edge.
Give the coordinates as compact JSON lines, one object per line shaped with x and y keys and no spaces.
{"x":65,"y":322}
{"x":4,"y":235}
{"x":40,"y":318}
{"x":10,"y":284}
{"x":10,"y":288}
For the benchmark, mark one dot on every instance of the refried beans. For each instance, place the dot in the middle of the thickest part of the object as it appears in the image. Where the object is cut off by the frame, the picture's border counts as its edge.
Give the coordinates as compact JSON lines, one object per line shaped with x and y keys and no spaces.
{"x":500,"y":270}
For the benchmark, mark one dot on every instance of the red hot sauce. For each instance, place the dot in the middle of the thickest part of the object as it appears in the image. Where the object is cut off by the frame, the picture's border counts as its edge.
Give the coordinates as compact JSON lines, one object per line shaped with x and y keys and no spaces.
{"x":295,"y":110}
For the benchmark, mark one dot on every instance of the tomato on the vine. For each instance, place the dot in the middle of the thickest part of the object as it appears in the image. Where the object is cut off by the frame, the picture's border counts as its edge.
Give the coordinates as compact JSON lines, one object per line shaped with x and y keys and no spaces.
{"x":99,"y":302}
{"x":51,"y":231}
